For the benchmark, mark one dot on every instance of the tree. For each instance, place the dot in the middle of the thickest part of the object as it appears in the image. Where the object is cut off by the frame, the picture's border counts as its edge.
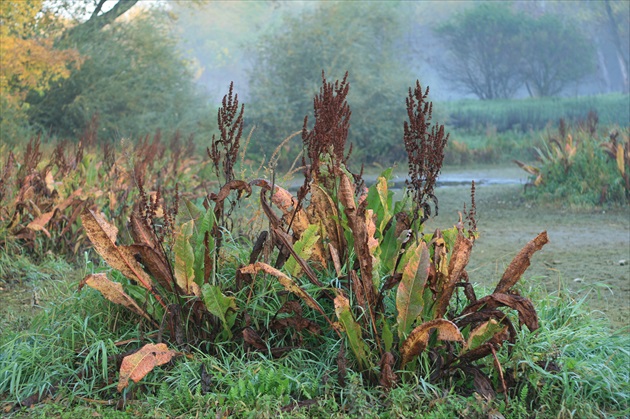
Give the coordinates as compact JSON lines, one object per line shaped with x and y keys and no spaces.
{"x":133,"y":77}
{"x":483,"y":51}
{"x":28,"y":59}
{"x":334,"y":37}
{"x":555,"y":54}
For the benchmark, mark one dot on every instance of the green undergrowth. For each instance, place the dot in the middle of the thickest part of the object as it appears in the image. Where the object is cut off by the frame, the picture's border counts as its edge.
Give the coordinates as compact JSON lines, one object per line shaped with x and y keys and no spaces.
{"x":573,"y":366}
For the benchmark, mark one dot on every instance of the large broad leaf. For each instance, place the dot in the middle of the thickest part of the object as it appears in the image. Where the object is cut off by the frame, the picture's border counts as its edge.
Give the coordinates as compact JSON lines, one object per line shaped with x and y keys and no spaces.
{"x":304,"y":248}
{"x":352,"y":329}
{"x":139,"y":364}
{"x":409,"y":294}
{"x":218,"y":304}
{"x":380,"y":200}
{"x":446,"y":284}
{"x":103,"y":238}
{"x":185,"y":260}
{"x":520,"y":263}
{"x":418,"y":339}
{"x":323,"y":211}
{"x":114,"y":292}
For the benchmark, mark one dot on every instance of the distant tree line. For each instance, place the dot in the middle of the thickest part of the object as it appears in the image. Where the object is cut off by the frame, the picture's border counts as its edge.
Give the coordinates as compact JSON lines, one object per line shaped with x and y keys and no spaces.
{"x":492,"y":51}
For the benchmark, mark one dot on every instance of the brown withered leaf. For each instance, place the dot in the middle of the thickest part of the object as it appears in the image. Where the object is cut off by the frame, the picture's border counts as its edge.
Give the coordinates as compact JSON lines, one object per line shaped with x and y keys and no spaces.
{"x":154,"y":263}
{"x":459,"y":259}
{"x":139,"y":364}
{"x":114,"y":292}
{"x":253,"y":339}
{"x":140,"y":231}
{"x":39,"y":223}
{"x":417,"y":340}
{"x":520,"y":263}
{"x":388,"y":378}
{"x":526,"y":311}
{"x":334,"y":255}
{"x":103,"y":238}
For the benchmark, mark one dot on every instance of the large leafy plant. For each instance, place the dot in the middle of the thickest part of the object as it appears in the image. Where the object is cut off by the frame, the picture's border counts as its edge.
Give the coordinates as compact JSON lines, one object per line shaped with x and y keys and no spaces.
{"x":397,"y":286}
{"x":353,"y":257}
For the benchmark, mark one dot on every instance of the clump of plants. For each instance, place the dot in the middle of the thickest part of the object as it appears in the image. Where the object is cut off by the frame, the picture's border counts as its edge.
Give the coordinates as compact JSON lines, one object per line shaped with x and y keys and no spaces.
{"x":44,"y":189}
{"x":339,"y":262}
{"x":581,"y":166}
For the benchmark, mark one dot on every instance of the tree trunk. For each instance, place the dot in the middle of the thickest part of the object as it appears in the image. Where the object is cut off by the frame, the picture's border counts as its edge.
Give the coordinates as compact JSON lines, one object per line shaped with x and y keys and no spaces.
{"x":623,"y":60}
{"x":98,"y":21}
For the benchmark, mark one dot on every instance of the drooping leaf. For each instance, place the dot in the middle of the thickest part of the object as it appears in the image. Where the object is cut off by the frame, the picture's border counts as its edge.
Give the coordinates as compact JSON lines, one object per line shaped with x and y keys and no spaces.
{"x":352,"y":329}
{"x":520,"y":263}
{"x":136,"y":366}
{"x":304,"y":247}
{"x":526,"y":312}
{"x":219,"y":305}
{"x":418,"y":339}
{"x":409,"y":294}
{"x":114,"y":292}
{"x":103,"y":238}
{"x":185,"y":260}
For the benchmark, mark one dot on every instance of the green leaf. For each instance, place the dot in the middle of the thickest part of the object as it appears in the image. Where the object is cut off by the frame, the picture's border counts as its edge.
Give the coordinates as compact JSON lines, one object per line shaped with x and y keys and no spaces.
{"x":184,"y":259}
{"x":304,"y":248}
{"x":388,"y":336}
{"x":482,"y":333}
{"x":219,"y":305}
{"x":352,"y":329}
{"x":409,"y":294}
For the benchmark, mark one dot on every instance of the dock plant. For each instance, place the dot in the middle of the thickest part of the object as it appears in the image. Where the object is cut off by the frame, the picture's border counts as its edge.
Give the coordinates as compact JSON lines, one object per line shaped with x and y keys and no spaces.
{"x":338,"y":261}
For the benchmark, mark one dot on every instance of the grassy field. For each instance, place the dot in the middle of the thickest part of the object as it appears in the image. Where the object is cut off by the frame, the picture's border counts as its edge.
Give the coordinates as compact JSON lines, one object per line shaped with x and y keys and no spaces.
{"x":149,"y":279}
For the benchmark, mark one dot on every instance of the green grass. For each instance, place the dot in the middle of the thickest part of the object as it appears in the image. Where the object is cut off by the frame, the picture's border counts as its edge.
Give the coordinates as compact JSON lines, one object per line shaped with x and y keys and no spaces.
{"x":532,"y":114}
{"x":70,"y":350}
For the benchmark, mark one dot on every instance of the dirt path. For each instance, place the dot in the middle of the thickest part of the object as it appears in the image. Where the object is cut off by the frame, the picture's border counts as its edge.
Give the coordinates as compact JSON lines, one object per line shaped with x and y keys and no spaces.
{"x":584,"y":253}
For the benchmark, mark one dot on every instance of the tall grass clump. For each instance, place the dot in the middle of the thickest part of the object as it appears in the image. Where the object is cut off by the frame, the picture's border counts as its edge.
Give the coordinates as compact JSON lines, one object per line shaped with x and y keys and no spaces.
{"x":581,"y":165}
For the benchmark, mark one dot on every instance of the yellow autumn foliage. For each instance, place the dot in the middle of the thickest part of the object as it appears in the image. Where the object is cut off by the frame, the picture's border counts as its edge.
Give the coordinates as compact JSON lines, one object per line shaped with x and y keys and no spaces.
{"x":28,"y":58}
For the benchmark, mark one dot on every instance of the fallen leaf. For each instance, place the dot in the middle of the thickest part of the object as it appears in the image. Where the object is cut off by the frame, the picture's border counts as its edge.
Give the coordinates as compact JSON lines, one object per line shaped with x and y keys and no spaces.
{"x":136,"y":366}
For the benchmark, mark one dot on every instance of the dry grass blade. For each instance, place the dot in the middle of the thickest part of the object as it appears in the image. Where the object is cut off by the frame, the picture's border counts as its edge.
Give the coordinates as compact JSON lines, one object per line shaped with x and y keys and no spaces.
{"x":520,"y":263}
{"x":139,"y":364}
